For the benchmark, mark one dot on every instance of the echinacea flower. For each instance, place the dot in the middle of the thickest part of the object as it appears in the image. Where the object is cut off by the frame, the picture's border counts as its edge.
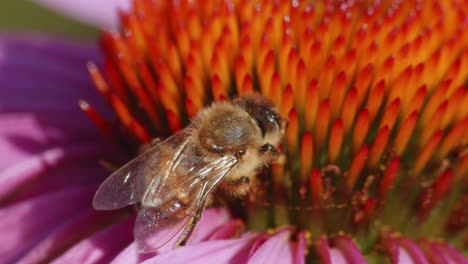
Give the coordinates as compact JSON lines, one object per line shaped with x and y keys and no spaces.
{"x":376,"y":97}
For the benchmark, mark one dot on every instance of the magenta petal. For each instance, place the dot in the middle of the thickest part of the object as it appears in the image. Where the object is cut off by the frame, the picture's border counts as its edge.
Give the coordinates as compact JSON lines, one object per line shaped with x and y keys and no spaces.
{"x":276,"y":249}
{"x":261,"y":238}
{"x":337,"y":255}
{"x":301,"y":245}
{"x":216,"y":251}
{"x":351,"y":252}
{"x":400,"y":253}
{"x":66,"y":235}
{"x":323,"y":250}
{"x":41,"y":81}
{"x":413,"y":250}
{"x":102,"y":247}
{"x":44,"y":75}
{"x":102,"y":13}
{"x":438,"y":253}
{"x":211,"y":220}
{"x":41,"y":127}
{"x":26,"y":223}
{"x":52,"y":71}
{"x":47,"y":77}
{"x":48,"y":166}
{"x":130,"y":255}
{"x":392,"y":248}
{"x":228,"y":230}
{"x":451,"y":253}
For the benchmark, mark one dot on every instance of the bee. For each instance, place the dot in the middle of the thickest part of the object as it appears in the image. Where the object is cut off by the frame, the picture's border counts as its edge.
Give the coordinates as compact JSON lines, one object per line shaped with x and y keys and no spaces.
{"x":223,"y":148}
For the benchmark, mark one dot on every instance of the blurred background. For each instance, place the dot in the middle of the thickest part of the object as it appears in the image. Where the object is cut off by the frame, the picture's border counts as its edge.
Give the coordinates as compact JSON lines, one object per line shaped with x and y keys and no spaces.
{"x":25,"y":16}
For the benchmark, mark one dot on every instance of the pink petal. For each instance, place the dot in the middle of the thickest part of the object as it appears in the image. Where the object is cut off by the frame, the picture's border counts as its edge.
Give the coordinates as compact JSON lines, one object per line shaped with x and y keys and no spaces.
{"x":403,"y":257}
{"x":228,"y":230}
{"x":47,"y":169}
{"x":338,"y":257}
{"x":130,"y":255}
{"x":42,"y":80}
{"x":212,"y":219}
{"x":323,"y":250}
{"x":399,"y":252}
{"x":392,"y":248}
{"x":218,"y":251}
{"x":102,"y":13}
{"x":451,"y":253}
{"x":344,"y":251}
{"x":26,"y":223}
{"x":102,"y":247}
{"x":66,"y":235}
{"x":41,"y":127}
{"x":349,"y":250}
{"x":439,"y":253}
{"x":261,"y":238}
{"x":276,"y":249}
{"x":409,"y":247}
{"x":301,"y":245}
{"x":45,"y":75}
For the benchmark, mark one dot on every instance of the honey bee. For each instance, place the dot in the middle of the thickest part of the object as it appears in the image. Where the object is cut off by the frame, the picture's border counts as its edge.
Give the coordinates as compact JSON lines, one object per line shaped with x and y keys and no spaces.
{"x":223,"y":148}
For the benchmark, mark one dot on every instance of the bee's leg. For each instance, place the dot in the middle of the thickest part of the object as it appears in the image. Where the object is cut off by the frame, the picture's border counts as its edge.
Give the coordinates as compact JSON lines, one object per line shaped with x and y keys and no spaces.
{"x":182,"y":240}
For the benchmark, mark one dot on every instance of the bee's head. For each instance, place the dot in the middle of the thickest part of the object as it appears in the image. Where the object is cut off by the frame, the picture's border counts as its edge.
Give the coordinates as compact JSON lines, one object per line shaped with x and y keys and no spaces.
{"x":266,"y":115}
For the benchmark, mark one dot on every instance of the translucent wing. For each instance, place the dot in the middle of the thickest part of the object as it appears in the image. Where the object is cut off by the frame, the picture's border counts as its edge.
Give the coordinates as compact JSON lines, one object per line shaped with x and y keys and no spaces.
{"x":169,"y":205}
{"x":128,"y":184}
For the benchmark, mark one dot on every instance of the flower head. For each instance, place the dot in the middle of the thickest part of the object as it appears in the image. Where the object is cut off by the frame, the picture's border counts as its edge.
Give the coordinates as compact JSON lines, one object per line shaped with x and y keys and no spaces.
{"x":376,"y":142}
{"x":376,"y":97}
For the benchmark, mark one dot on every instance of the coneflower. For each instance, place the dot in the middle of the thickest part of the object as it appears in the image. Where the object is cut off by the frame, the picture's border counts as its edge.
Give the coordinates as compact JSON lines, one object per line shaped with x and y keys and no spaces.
{"x":375,"y":95}
{"x":377,"y":159}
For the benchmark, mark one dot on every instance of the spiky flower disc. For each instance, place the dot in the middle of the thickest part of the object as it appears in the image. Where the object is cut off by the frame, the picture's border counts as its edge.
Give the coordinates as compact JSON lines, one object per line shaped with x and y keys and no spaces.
{"x":375,"y":94}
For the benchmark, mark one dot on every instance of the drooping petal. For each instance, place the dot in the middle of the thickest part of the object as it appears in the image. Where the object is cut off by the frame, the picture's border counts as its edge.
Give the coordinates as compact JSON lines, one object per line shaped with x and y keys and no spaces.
{"x":218,"y":251}
{"x":130,"y":255}
{"x":41,"y":126}
{"x":337,"y":257}
{"x":66,"y":235}
{"x":409,"y":247}
{"x":301,"y":246}
{"x":227,"y":230}
{"x":276,"y":249}
{"x":44,"y":75}
{"x":49,"y":170}
{"x":344,"y":251}
{"x":441,"y":253}
{"x":102,"y":247}
{"x":451,"y":253}
{"x":102,"y":13}
{"x":211,"y":220}
{"x":26,"y":223}
{"x":349,"y":250}
{"x":41,"y":81}
{"x":323,"y":250}
{"x":46,"y":171}
{"x":403,"y":250}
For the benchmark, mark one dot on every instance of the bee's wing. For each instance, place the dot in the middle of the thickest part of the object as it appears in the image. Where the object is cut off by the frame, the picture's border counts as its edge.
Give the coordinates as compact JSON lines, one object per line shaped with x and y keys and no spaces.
{"x":128,"y":184}
{"x":168,"y":206}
